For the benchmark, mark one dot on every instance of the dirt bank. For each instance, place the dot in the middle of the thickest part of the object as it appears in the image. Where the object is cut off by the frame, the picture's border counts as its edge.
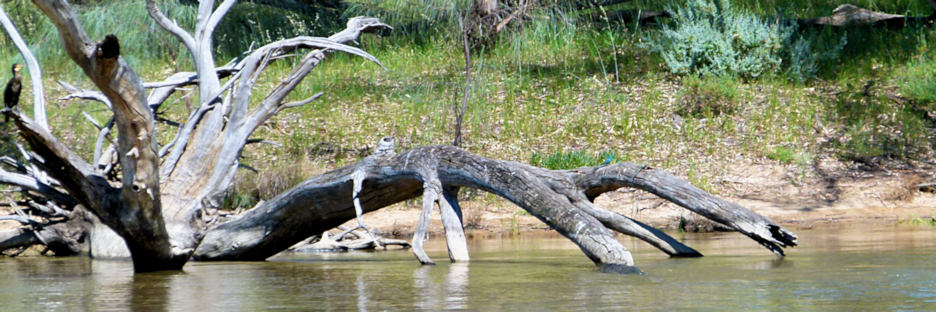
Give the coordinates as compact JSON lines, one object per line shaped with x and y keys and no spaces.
{"x":828,"y":192}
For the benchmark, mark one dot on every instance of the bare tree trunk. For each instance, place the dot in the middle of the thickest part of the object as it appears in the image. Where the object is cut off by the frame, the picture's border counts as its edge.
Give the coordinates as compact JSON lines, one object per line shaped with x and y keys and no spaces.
{"x":562,"y":199}
{"x":160,"y":205}
{"x":460,"y":109}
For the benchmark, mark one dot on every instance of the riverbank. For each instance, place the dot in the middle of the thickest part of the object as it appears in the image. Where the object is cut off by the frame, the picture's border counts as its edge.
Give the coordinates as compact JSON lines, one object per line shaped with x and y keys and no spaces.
{"x":832,"y":195}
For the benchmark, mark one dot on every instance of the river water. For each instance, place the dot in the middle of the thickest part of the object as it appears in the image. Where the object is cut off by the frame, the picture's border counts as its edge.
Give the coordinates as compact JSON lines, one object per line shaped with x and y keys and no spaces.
{"x":855,"y":268}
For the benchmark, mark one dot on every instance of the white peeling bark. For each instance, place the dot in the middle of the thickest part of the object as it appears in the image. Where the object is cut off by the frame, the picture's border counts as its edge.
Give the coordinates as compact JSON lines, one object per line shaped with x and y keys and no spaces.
{"x":452,"y":224}
{"x":431,"y":190}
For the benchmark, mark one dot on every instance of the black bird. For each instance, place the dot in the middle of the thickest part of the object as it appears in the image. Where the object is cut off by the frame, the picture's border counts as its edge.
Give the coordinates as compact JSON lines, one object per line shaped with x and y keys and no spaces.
{"x":12,"y":92}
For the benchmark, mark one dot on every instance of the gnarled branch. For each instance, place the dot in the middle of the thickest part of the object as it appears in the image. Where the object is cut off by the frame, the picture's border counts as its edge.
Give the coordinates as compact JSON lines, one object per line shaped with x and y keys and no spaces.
{"x":561,"y":199}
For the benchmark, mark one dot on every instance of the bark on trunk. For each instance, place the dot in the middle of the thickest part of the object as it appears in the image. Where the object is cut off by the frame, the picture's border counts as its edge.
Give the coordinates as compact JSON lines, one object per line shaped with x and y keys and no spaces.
{"x":562,"y":199}
{"x":160,"y":205}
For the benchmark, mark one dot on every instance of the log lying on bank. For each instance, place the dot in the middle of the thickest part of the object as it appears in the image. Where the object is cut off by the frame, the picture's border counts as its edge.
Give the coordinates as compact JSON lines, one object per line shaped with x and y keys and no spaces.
{"x":848,"y":15}
{"x":563,"y":199}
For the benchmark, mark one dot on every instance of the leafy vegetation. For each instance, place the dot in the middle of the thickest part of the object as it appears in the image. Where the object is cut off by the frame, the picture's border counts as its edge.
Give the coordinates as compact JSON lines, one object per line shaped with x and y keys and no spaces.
{"x":553,"y":94}
{"x":709,"y":37}
{"x":572,"y":160}
{"x":708,"y":95}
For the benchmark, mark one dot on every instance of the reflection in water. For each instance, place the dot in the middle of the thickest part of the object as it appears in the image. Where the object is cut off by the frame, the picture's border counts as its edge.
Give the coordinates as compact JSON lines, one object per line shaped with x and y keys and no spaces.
{"x":114,"y":281}
{"x":456,"y":286}
{"x":769,"y":264}
{"x":860,"y":269}
{"x":427,"y":291}
{"x":430,"y":295}
{"x":361,"y":293}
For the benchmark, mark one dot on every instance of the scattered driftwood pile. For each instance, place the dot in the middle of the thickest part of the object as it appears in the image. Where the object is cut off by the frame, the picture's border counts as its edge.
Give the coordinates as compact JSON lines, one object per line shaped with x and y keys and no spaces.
{"x":348,"y":239}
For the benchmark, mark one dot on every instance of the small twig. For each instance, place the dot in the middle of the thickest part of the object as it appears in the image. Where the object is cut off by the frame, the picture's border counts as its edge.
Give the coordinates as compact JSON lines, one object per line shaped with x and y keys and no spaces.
{"x":75,"y":93}
{"x":248,"y":167}
{"x":91,"y":119}
{"x":102,"y":136}
{"x":262,"y":141}
{"x":9,"y":161}
{"x":165,"y":121}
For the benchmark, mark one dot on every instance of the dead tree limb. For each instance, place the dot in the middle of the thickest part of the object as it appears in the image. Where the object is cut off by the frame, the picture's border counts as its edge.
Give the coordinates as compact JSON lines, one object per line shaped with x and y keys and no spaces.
{"x":35,"y":73}
{"x":160,"y":207}
{"x":848,"y":15}
{"x":328,"y":243}
{"x":560,"y":198}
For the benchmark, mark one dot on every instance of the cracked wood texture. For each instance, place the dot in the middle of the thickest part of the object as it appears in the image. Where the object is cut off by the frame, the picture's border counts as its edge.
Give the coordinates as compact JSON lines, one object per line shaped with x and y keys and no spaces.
{"x":560,"y":198}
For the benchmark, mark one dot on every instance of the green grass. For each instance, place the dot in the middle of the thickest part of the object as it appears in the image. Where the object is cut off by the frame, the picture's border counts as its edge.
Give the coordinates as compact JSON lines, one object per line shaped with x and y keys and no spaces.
{"x":571,"y":160}
{"x":920,"y":221}
{"x":556,"y":94}
{"x":789,"y":155}
{"x":708,"y":95}
{"x":917,"y":79}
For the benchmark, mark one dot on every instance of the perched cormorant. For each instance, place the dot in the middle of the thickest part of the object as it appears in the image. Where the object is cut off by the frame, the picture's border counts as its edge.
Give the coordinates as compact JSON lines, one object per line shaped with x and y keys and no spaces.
{"x":12,"y":92}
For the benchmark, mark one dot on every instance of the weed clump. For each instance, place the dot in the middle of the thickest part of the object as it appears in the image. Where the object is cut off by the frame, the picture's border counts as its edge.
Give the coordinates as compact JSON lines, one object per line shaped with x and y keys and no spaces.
{"x":918,"y":81}
{"x":571,"y":160}
{"x":874,"y":129}
{"x":708,"y":96}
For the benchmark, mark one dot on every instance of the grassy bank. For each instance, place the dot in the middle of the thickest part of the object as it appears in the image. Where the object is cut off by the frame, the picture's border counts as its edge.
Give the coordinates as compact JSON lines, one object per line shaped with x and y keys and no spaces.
{"x":565,"y":93}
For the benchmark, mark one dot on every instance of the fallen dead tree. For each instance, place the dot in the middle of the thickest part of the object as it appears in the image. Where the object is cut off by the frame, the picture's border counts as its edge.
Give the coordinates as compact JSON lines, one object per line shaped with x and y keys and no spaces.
{"x":561,"y":198}
{"x":845,"y":15}
{"x":849,"y":15}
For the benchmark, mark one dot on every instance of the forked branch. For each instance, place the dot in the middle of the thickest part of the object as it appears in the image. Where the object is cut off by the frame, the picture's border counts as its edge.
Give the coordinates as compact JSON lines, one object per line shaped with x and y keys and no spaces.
{"x":561,"y":199}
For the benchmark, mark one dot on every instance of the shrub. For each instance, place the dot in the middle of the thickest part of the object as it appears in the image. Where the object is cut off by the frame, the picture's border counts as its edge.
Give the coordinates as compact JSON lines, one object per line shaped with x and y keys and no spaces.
{"x":708,"y":37}
{"x":804,"y":54}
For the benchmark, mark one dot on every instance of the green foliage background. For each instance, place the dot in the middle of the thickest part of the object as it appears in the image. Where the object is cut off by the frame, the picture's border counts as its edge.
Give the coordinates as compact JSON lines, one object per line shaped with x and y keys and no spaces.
{"x":563,"y":91}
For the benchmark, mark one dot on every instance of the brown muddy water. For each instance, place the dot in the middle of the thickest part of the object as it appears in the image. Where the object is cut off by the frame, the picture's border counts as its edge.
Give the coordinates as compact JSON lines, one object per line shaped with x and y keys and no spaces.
{"x":853,"y":268}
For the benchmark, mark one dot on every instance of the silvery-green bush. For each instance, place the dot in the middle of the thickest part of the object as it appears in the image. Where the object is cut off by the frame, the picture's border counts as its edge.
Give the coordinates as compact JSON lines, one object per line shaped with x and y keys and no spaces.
{"x":805,"y":53}
{"x":709,"y":37}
